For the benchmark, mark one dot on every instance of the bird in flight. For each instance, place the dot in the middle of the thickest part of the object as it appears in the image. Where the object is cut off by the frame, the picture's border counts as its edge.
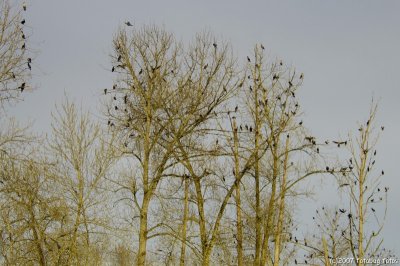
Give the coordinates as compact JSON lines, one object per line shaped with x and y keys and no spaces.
{"x":338,"y":143}
{"x":128,"y":23}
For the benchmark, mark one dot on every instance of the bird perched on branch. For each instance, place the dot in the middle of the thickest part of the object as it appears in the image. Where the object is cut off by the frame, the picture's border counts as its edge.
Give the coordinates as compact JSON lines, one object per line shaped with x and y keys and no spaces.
{"x":128,"y":24}
{"x":22,"y":87}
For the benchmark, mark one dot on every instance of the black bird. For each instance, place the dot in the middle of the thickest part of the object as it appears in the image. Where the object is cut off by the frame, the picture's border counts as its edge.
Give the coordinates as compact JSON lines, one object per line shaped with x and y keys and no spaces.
{"x":262,"y":47}
{"x":141,"y":71}
{"x":375,"y":153}
{"x":241,"y":128}
{"x":342,"y":210}
{"x":317,"y":150}
{"x":247,"y":127}
{"x":22,"y":87}
{"x":301,"y":76}
{"x":114,"y":86}
{"x":105,"y":91}
{"x":29,"y":66}
{"x":327,"y":168}
{"x":349,"y":215}
{"x":301,"y":122}
{"x":248,"y":59}
{"x":372,"y":209}
{"x":205,"y":66}
{"x":386,"y":189}
{"x":125,"y":99}
{"x":340,"y":143}
{"x":215,"y":45}
{"x":310,"y":138}
{"x":116,"y":107}
{"x":382,"y":128}
{"x":115,"y":98}
{"x":128,"y":24}
{"x":112,"y":69}
{"x":383,"y":172}
{"x":236,"y":108}
{"x":23,"y":46}
{"x":29,"y":60}
{"x":251,"y":129}
{"x":23,"y":36}
{"x":119,"y":58}
{"x":295,"y":261}
{"x":23,"y":22}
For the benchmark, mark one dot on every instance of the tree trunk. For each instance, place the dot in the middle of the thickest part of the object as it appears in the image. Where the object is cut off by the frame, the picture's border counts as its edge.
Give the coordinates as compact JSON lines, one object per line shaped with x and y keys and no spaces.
{"x":278,"y":233}
{"x":239,"y":223}
{"x":141,"y":256}
{"x":185,"y":215}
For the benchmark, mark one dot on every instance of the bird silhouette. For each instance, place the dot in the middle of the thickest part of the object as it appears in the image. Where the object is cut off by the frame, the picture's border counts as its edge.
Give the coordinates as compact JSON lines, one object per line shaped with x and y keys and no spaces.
{"x":215,"y":45}
{"x":22,"y":87}
{"x":105,"y":91}
{"x":236,"y":108}
{"x":382,"y":128}
{"x":23,"y":46}
{"x":116,"y":107}
{"x":262,"y":47}
{"x":205,"y":66}
{"x":301,"y":123}
{"x":372,"y":209}
{"x":112,"y":69}
{"x":309,"y":138}
{"x":23,"y":21}
{"x":342,"y":210}
{"x":383,"y":172}
{"x":29,"y":66}
{"x":248,"y":59}
{"x":301,"y":76}
{"x":128,"y":24}
{"x":119,"y":58}
{"x":141,"y":71}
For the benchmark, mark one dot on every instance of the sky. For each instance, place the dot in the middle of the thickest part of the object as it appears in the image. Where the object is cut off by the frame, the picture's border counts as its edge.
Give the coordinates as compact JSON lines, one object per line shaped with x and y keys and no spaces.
{"x":347,"y":50}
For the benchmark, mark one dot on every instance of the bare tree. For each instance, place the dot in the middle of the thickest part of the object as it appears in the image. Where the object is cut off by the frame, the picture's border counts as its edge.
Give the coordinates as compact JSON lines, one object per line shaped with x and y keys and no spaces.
{"x":15,"y":61}
{"x":83,"y":158}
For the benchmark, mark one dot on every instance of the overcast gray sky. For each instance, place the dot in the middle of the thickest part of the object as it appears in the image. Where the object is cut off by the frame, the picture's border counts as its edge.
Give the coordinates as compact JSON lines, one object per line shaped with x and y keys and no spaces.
{"x":348,"y":50}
